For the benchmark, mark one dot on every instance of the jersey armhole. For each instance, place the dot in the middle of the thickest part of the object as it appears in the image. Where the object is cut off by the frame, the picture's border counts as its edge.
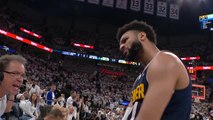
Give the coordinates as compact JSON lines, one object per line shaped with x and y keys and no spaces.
{"x":147,"y":67}
{"x":147,"y":74}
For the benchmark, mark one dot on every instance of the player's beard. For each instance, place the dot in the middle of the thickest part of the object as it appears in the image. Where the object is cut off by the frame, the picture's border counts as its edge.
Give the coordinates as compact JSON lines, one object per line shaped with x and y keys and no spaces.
{"x":133,"y":54}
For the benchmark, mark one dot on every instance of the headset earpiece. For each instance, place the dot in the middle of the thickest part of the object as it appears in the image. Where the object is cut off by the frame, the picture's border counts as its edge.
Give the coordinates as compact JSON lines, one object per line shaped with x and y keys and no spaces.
{"x":1,"y":76}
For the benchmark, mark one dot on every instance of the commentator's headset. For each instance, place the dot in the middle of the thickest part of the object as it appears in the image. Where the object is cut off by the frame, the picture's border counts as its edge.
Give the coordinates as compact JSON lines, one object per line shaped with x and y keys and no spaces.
{"x":1,"y":76}
{"x":1,"y":72}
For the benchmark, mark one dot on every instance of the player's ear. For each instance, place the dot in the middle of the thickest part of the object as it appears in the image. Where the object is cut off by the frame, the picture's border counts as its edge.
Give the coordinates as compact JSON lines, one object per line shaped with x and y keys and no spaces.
{"x":141,"y":36}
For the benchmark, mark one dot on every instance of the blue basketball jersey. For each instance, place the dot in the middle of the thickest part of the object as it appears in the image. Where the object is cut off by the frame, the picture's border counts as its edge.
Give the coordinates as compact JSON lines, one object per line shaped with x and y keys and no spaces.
{"x":179,"y":106}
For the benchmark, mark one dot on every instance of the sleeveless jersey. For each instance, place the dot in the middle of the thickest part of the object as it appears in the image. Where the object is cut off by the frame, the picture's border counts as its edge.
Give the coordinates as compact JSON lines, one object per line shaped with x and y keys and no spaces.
{"x":179,"y":106}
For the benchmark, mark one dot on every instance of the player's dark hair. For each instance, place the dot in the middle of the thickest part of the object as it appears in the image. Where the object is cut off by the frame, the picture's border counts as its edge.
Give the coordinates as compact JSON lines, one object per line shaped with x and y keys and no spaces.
{"x":140,"y":26}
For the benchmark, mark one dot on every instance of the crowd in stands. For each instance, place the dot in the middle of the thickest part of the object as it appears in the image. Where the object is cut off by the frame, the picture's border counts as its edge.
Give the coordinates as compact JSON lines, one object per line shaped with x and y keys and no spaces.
{"x":197,"y":49}
{"x":95,"y":98}
{"x":57,"y":36}
{"x":201,"y":111}
{"x":82,"y":95}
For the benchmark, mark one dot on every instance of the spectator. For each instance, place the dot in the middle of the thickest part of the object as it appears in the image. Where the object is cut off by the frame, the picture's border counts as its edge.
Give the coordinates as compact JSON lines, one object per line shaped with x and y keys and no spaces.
{"x":51,"y":95}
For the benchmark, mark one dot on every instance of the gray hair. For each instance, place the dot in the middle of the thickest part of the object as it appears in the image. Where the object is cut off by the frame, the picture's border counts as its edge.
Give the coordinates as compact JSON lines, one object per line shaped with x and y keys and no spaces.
{"x":6,"y":59}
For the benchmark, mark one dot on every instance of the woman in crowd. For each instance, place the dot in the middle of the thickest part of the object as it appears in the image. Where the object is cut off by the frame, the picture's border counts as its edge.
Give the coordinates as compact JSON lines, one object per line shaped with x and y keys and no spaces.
{"x":29,"y":112}
{"x":35,"y":105}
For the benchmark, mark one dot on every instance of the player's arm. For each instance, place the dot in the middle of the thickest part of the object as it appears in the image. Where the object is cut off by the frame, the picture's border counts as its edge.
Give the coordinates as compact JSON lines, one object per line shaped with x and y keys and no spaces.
{"x":162,"y":76}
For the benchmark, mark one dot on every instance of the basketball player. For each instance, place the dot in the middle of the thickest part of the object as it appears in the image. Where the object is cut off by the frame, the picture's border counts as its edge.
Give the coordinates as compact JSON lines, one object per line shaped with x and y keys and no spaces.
{"x":12,"y":71}
{"x":163,"y":89}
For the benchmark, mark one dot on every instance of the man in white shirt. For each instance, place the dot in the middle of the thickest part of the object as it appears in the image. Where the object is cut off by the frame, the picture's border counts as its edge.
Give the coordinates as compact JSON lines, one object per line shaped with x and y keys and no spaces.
{"x":70,"y":99}
{"x":38,"y":89}
{"x":69,"y":105}
{"x":12,"y":72}
{"x":32,"y":90}
{"x":3,"y":103}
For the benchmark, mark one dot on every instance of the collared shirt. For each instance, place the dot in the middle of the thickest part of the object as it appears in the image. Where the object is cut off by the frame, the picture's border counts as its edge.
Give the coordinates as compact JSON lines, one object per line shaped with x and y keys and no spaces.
{"x":3,"y":104}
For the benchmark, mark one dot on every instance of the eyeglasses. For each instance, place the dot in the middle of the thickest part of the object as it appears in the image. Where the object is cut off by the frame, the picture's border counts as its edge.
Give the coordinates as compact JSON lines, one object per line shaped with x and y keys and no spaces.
{"x":15,"y":74}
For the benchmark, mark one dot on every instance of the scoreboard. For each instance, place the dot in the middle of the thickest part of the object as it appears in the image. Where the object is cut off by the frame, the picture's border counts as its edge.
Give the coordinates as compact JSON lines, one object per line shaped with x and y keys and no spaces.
{"x":206,"y":22}
{"x":192,"y":73}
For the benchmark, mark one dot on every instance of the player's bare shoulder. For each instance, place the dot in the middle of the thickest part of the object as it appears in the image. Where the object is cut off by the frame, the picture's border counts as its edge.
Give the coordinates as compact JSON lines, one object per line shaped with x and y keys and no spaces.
{"x":169,"y":56}
{"x":163,"y":65}
{"x":174,"y":63}
{"x":166,"y":60}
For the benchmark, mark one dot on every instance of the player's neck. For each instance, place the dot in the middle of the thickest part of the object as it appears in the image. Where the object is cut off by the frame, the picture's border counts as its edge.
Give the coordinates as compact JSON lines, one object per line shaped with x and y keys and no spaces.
{"x":149,"y":54}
